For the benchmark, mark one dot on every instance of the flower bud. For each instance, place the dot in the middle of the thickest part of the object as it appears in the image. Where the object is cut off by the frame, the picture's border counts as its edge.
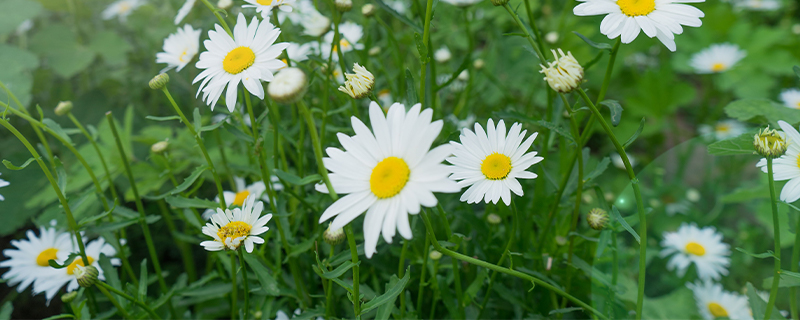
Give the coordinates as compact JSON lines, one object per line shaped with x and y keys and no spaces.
{"x":499,"y":3}
{"x":224,"y":4}
{"x":63,"y":108}
{"x":597,"y":218}
{"x":769,"y":143}
{"x":551,"y":37}
{"x":442,"y":55}
{"x":288,"y":86}
{"x":494,"y":218}
{"x":374,"y":51}
{"x":87,"y":276}
{"x":359,"y":84}
{"x":435,"y":255}
{"x":69,"y":297}
{"x":368,"y":10}
{"x":478,"y":64}
{"x":159,"y":81}
{"x":343,"y":5}
{"x":563,"y":75}
{"x":333,"y":237}
{"x":159,"y":147}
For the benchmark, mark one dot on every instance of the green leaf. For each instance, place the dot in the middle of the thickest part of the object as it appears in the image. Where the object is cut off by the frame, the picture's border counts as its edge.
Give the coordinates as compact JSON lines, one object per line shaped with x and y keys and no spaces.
{"x":411,"y":88}
{"x":565,"y":310}
{"x":788,"y":279}
{"x":11,"y":166}
{"x":111,"y":46}
{"x":189,"y":180}
{"x":122,"y":224}
{"x":338,"y":272}
{"x":14,"y":12}
{"x":57,"y":129}
{"x":72,"y":256}
{"x":212,"y":127}
{"x":60,"y":316}
{"x":601,"y":45}
{"x":6,"y":310}
{"x":399,"y":16}
{"x":16,"y":60}
{"x":390,"y":295}
{"x":615,"y":214}
{"x":472,"y":290}
{"x":422,"y":48}
{"x":796,"y":71}
{"x":616,"y":110}
{"x":238,"y":133}
{"x":635,"y":135}
{"x":62,"y":175}
{"x":297,"y":249}
{"x":295,"y":180}
{"x":94,"y":218}
{"x":170,"y":118}
{"x":142,"y":292}
{"x":198,"y":121}
{"x":742,"y":144}
{"x":758,"y":305}
{"x":601,"y":167}
{"x":181,"y":202}
{"x":268,"y":283}
{"x":762,"y":110}
{"x":764,"y":255}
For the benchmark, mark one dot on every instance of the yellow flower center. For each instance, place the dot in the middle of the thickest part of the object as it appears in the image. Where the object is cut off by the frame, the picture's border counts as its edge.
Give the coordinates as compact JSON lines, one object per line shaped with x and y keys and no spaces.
{"x":717,"y":310}
{"x":124,"y":7}
{"x":695,"y":249}
{"x":240,"y":197}
{"x":496,"y":166}
{"x":233,"y":230}
{"x":264,"y":2}
{"x":723,"y":128}
{"x":797,"y":105}
{"x":238,"y":60}
{"x":345,"y":44}
{"x":45,"y":256}
{"x":717,"y":67}
{"x":75,"y":263}
{"x":633,"y":8}
{"x":183,"y":54}
{"x":389,"y":177}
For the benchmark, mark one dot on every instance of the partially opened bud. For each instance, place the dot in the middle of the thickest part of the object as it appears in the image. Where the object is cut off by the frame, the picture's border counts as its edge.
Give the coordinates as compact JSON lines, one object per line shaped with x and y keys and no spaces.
{"x":358,"y":84}
{"x":597,"y":218}
{"x":563,"y":75}
{"x":159,"y":81}
{"x":288,"y":86}
{"x":63,"y":108}
{"x":478,"y":64}
{"x":374,"y":51}
{"x":769,"y":143}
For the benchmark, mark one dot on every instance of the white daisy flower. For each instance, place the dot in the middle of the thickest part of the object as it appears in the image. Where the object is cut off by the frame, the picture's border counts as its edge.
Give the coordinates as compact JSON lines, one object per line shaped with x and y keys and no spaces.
{"x":3,"y":183}
{"x":723,"y":130}
{"x":306,"y":15}
{"x":249,"y":57}
{"x":184,"y":11}
{"x":462,"y":3}
{"x":388,"y":174}
{"x":462,"y":123}
{"x":231,"y":228}
{"x":121,"y":9}
{"x":717,"y":58}
{"x":657,"y":18}
{"x":265,"y":6}
{"x":237,"y":199}
{"x":791,"y":98}
{"x":786,"y":167}
{"x":442,"y":55}
{"x":299,"y":52}
{"x":179,"y":48}
{"x":703,"y":247}
{"x":52,"y":282}
{"x":758,"y":5}
{"x":713,"y":302}
{"x":28,"y":260}
{"x":351,"y":35}
{"x":490,"y":162}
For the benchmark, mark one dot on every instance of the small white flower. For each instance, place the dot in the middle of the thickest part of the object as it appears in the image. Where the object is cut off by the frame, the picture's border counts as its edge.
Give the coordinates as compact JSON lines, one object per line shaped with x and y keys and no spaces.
{"x":179,"y":48}
{"x":758,"y":5}
{"x":490,"y":162}
{"x":791,"y":98}
{"x":713,"y":302}
{"x":703,"y":247}
{"x":551,"y":37}
{"x":3,"y":183}
{"x":358,"y":84}
{"x":297,"y":52}
{"x":724,"y":129}
{"x":265,"y":6}
{"x":232,"y":228}
{"x":237,"y":199}
{"x":442,"y":55}
{"x":389,"y":174}
{"x":248,"y":58}
{"x":184,"y":11}
{"x":786,"y":167}
{"x":28,"y":259}
{"x":351,"y":34}
{"x":717,"y":58}
{"x":657,"y":18}
{"x":224,"y":4}
{"x":121,"y":9}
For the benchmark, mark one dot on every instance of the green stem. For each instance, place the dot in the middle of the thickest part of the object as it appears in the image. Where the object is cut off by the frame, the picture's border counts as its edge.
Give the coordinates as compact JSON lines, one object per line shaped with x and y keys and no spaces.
{"x":400,"y":270}
{"x":795,"y":260}
{"x":515,"y":218}
{"x":578,"y":192}
{"x":525,"y":31}
{"x":637,"y":194}
{"x":200,"y":144}
{"x":609,"y":69}
{"x":219,"y":17}
{"x":114,"y":301}
{"x":426,"y":36}
{"x":140,"y":207}
{"x":424,"y":271}
{"x":99,"y":155}
{"x":36,"y":130}
{"x":351,"y":241}
{"x":484,"y":264}
{"x":101,"y":284}
{"x":312,"y":130}
{"x":776,"y":277}
{"x":235,"y":288}
{"x":244,"y":282}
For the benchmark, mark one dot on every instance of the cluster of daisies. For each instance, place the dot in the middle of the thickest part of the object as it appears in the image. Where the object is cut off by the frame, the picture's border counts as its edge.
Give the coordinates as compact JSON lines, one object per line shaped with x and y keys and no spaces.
{"x":28,"y":261}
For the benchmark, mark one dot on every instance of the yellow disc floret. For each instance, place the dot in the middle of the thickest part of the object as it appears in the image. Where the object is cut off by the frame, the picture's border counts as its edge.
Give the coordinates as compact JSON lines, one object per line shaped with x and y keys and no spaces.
{"x":717,"y":310}
{"x":633,"y":8}
{"x":45,"y":256}
{"x":77,"y":262}
{"x":496,"y":166}
{"x":233,"y":230}
{"x":239,"y":59}
{"x":264,"y":2}
{"x":240,"y":197}
{"x":695,"y":249}
{"x":389,"y":177}
{"x":718,"y":67}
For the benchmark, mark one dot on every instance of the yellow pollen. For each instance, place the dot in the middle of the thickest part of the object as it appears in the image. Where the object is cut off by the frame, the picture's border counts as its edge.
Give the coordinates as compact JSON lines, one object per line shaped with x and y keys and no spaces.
{"x":78,"y":261}
{"x":496,"y":166}
{"x":233,"y":230}
{"x":389,"y":177}
{"x":723,"y":128}
{"x":45,"y":256}
{"x":717,"y":310}
{"x":238,"y":60}
{"x":695,"y":249}
{"x":264,"y":2}
{"x":633,"y":8}
{"x":240,"y":197}
{"x":345,"y":44}
{"x":717,"y":67}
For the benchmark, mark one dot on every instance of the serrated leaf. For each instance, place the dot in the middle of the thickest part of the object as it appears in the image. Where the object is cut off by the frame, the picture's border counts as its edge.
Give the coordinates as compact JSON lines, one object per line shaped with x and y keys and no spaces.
{"x":615,"y":214}
{"x":742,"y":144}
{"x":11,"y":166}
{"x":615,"y":109}
{"x":601,"y":45}
{"x":390,"y":295}
{"x":295,"y":180}
{"x":760,"y":110}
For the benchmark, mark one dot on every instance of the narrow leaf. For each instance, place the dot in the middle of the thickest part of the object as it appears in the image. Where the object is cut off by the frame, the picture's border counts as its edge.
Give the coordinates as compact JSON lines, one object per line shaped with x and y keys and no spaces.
{"x":601,"y":45}
{"x":616,"y":111}
{"x":618,"y":217}
{"x":635,"y":135}
{"x":11,"y":166}
{"x":142,"y":292}
{"x":181,"y":202}
{"x":268,"y":283}
{"x":189,"y":180}
{"x":390,"y":295}
{"x":169,"y":118}
{"x":411,"y":88}
{"x":338,"y":272}
{"x":295,"y":180}
{"x":764,"y":255}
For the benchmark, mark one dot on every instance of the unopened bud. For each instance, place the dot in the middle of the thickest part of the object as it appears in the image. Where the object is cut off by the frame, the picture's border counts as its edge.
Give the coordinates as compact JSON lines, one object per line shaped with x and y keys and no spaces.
{"x":333,"y":237}
{"x":478,"y":64}
{"x":368,"y":10}
{"x":159,"y":81}
{"x":159,"y":147}
{"x":63,"y":108}
{"x":499,"y":3}
{"x":69,"y":296}
{"x":769,"y":143}
{"x":87,"y":276}
{"x":435,"y":255}
{"x":224,"y":4}
{"x":494,"y":218}
{"x":374,"y":51}
{"x":288,"y":86}
{"x":343,"y":5}
{"x":597,"y":218}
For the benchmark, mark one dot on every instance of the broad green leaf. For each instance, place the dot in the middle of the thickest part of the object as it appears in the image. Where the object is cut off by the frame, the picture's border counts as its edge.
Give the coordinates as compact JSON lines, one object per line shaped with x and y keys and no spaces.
{"x":762,"y":110}
{"x":295,"y":180}
{"x":615,"y":109}
{"x":268,"y":283}
{"x":16,"y":60}
{"x":742,"y":144}
{"x":11,"y":166}
{"x":390,"y":295}
{"x":759,"y":306}
{"x":181,"y":202}
{"x":600,"y":45}
{"x":112,"y":47}
{"x":70,"y":61}
{"x":14,"y":12}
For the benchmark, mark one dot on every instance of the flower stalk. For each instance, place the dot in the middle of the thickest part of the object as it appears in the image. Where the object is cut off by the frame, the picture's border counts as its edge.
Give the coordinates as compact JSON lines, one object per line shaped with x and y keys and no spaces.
{"x":776,"y":276}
